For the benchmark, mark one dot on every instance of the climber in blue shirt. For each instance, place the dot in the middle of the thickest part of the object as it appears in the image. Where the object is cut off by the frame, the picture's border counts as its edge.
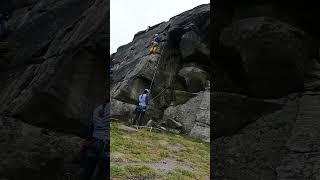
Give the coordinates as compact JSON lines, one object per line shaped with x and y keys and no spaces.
{"x":141,"y":108}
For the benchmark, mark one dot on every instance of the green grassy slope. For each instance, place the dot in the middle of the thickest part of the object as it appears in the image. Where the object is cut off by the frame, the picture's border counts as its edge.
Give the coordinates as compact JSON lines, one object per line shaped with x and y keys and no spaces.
{"x":141,"y":154}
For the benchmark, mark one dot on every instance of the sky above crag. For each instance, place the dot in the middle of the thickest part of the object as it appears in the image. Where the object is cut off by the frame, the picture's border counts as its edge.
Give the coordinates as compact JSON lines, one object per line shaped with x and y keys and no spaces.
{"x":127,"y":17}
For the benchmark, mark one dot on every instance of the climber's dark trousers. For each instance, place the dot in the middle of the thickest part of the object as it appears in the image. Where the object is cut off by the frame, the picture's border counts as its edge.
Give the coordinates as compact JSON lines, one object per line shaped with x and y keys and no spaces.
{"x":3,"y":29}
{"x":97,"y":158}
{"x":102,"y":165}
{"x":139,"y":118}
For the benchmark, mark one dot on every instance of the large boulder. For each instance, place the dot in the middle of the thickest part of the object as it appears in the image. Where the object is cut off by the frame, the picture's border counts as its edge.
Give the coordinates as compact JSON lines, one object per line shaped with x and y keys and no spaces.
{"x":273,"y":54}
{"x":191,"y":44}
{"x":201,"y":128}
{"x":29,"y":152}
{"x":135,"y":80}
{"x":121,"y":110}
{"x":194,"y":115}
{"x":312,"y":76}
{"x":265,"y":49}
{"x":234,"y":111}
{"x":195,"y":78}
{"x":257,"y":150}
{"x":55,"y":79}
{"x":52,"y":76}
{"x":284,"y":143}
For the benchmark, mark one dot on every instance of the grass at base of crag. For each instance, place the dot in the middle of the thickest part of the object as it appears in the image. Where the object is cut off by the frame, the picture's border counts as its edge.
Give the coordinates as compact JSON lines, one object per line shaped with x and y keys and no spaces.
{"x":137,"y":154}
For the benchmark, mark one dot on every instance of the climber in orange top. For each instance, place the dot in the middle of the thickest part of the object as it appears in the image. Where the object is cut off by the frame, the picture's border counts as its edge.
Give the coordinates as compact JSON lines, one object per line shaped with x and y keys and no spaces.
{"x":155,"y":48}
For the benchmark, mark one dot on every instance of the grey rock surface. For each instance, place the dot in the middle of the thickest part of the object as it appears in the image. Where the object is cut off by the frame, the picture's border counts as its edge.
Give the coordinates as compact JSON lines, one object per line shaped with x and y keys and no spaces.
{"x":180,"y":70}
{"x":52,"y":74}
{"x":266,"y":93}
{"x":273,"y":54}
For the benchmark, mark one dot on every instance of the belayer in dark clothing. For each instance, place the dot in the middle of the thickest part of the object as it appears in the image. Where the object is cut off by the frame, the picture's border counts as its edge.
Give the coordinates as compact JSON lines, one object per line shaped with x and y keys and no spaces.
{"x":4,"y":17}
{"x":155,"y":44}
{"x":97,"y":144}
{"x":141,"y":108}
{"x":6,"y":10}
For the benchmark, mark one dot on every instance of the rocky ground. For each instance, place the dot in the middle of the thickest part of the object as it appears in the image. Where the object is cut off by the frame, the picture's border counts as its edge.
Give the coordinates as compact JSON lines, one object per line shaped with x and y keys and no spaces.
{"x":266,"y":93}
{"x":53,"y":71}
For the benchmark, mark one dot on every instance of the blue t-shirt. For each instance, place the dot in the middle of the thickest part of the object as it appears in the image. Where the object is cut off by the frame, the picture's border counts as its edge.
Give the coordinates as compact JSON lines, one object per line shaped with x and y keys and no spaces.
{"x":157,"y":39}
{"x":143,"y":100}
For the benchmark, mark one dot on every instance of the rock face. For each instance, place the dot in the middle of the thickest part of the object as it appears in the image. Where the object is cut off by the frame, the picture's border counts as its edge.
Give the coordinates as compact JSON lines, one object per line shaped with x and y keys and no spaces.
{"x":266,"y":93}
{"x":273,"y":54}
{"x":181,"y":70}
{"x":194,"y":115}
{"x":29,"y":152}
{"x":52,"y":75}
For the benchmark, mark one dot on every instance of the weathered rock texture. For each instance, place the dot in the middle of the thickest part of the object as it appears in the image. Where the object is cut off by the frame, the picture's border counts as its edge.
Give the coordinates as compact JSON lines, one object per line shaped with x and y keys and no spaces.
{"x":182,"y":73}
{"x":266,"y":94}
{"x":51,"y":77}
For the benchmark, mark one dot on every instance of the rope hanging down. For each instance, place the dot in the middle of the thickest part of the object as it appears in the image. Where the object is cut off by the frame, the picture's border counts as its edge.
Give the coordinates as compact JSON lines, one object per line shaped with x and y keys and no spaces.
{"x":155,"y":72}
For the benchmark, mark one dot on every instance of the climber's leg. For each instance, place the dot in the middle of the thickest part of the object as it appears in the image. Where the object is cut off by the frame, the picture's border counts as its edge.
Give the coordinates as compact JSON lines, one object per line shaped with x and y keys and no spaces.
{"x":2,"y":29}
{"x":141,"y":118}
{"x":92,"y":159}
{"x":135,"y":120}
{"x":103,"y":165}
{"x":158,"y":49}
{"x":153,"y":49}
{"x":90,"y":167}
{"x":103,"y":168}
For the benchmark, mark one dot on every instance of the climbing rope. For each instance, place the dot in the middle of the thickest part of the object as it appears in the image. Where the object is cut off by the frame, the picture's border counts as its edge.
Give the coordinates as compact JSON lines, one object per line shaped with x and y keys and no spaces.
{"x":188,"y":92}
{"x":171,"y":82}
{"x":155,"y":72}
{"x":159,"y":94}
{"x":174,"y":90}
